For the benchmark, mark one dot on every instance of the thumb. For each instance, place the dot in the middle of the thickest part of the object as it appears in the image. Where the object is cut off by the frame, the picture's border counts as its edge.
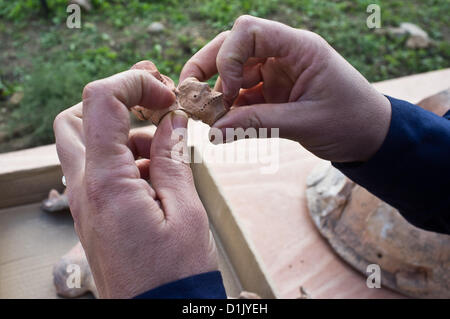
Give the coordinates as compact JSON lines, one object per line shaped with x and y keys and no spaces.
{"x":170,"y":173}
{"x":285,"y":117}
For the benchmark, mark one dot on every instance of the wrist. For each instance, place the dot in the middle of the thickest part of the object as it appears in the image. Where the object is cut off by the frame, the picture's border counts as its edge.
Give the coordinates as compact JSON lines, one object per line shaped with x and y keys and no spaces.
{"x":376,"y":126}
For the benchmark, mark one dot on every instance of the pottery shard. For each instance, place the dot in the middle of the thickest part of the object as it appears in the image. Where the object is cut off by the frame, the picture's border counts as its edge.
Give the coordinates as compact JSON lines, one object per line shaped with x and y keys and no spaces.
{"x":55,"y":202}
{"x":199,"y":101}
{"x":75,"y":257}
{"x":364,"y":230}
{"x":192,"y":96}
{"x":438,"y":103}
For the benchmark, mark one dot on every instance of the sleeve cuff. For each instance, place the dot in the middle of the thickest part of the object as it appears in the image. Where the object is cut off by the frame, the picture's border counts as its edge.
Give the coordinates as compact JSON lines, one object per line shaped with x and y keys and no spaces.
{"x":203,"y":286}
{"x":410,"y":170}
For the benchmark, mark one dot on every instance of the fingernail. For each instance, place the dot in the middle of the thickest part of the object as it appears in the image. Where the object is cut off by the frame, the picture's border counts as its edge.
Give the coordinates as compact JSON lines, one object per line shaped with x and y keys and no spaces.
{"x":226,"y":95}
{"x":179,"y":119}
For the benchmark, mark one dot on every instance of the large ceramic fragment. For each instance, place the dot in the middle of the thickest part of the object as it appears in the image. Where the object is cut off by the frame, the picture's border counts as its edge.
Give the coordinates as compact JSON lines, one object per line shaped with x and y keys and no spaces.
{"x":438,"y":103}
{"x":364,"y":230}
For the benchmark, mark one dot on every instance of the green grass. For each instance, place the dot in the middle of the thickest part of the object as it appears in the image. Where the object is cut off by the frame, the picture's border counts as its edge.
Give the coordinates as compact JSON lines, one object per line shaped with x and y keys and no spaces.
{"x":51,"y":63}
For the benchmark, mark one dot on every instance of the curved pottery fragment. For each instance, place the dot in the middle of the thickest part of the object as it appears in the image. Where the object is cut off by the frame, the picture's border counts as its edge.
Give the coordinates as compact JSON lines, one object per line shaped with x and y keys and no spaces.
{"x":364,"y":230}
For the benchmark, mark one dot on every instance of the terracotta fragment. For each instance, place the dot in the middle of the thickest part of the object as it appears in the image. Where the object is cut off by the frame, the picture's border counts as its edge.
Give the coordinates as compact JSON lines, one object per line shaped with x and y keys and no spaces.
{"x":55,"y":202}
{"x":61,"y":272}
{"x":438,"y":103}
{"x":364,"y":230}
{"x":199,"y":101}
{"x":192,"y":96}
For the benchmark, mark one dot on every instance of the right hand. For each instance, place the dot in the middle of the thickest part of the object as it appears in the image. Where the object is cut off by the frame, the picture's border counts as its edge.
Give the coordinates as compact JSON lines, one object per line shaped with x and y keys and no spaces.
{"x":275,"y":76}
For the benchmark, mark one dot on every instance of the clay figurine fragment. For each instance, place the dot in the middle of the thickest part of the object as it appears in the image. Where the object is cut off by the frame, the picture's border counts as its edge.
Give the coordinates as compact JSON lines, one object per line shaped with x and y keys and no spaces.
{"x":199,"y":101}
{"x":192,"y":96}
{"x":55,"y":202}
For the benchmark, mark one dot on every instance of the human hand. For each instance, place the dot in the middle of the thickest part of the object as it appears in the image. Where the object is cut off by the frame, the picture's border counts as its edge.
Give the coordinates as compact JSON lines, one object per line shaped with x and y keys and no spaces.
{"x":136,"y":236}
{"x":275,"y":76}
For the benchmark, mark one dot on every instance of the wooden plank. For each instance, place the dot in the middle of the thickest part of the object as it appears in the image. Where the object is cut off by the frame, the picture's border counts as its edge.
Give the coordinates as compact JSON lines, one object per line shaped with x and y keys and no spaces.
{"x":26,"y":176}
{"x":29,"y":186}
{"x":414,"y":88}
{"x":28,"y":159}
{"x":234,"y":240}
{"x":31,"y":242}
{"x":272,"y":212}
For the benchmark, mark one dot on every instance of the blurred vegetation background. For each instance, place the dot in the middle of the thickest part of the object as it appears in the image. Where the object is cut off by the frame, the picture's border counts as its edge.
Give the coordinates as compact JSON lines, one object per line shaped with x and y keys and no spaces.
{"x":44,"y":65}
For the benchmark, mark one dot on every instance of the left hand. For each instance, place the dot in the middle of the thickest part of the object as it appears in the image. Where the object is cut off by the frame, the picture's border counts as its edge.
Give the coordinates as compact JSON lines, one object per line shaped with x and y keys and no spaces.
{"x":136,"y":236}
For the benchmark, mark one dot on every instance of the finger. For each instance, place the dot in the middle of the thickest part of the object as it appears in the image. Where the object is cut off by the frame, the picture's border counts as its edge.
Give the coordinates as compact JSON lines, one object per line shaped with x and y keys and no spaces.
{"x":106,"y":116}
{"x":143,"y":166}
{"x":277,"y":86}
{"x":153,"y":70}
{"x":170,"y":173}
{"x":68,"y":128}
{"x":202,"y":65}
{"x":252,"y":37}
{"x":251,"y":74}
{"x":284,"y":117}
{"x":218,"y":85}
{"x":140,"y":140}
{"x":250,"y":96}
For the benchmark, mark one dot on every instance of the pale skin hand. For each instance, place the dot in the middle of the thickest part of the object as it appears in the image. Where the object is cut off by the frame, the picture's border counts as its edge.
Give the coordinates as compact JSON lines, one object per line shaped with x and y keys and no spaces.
{"x":136,"y":236}
{"x":275,"y":76}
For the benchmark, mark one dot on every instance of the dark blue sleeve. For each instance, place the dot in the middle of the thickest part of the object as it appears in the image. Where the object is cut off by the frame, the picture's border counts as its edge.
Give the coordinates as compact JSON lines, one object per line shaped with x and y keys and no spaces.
{"x":203,"y":286}
{"x":411,"y":170}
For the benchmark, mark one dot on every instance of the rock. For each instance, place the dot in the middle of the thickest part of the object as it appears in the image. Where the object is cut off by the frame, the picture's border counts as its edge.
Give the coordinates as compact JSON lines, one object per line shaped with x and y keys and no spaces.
{"x":418,"y":38}
{"x":156,"y":27}
{"x":16,"y":98}
{"x":85,"y":4}
{"x":364,"y":230}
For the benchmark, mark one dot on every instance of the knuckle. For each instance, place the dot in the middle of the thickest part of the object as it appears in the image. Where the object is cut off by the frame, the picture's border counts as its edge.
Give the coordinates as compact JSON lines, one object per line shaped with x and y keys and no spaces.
{"x":244,"y":21}
{"x":224,"y":33}
{"x":315,"y":40}
{"x":59,"y":120}
{"x":254,"y":120}
{"x":92,"y":89}
{"x":319,"y":39}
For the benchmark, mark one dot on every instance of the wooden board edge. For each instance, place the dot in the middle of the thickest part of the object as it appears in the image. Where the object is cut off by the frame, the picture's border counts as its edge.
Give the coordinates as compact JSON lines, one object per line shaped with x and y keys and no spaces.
{"x":239,"y":249}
